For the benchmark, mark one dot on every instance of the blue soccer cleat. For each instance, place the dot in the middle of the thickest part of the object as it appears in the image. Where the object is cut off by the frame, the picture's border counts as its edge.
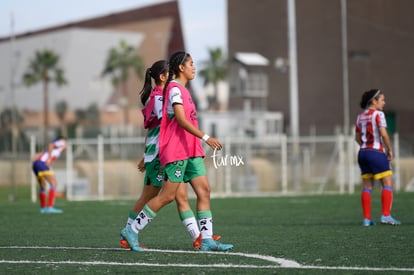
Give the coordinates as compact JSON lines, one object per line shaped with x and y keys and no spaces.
{"x":367,"y":222}
{"x":389,"y":220}
{"x":212,"y":245}
{"x":50,"y":210}
{"x":197,"y":242}
{"x":132,"y":238}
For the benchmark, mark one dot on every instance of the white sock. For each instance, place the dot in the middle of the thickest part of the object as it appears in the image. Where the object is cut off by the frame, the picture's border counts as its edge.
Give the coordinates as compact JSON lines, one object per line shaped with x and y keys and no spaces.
{"x":143,"y":218}
{"x":191,"y":226}
{"x":129,"y":221}
{"x":206,"y":228}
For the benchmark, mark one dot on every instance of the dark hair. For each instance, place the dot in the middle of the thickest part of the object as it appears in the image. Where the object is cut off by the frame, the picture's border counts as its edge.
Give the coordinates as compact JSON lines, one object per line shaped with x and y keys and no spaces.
{"x":157,"y":69}
{"x":176,"y":59}
{"x":368,"y":97}
{"x":59,"y":137}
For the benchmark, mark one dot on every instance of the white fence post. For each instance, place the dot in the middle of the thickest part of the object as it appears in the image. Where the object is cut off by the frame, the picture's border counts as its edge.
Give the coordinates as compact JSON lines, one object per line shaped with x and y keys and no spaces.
{"x":227,"y":169}
{"x":397,"y":162}
{"x":341,"y":163}
{"x":351,"y":166}
{"x":32,"y":178}
{"x":101,"y":183}
{"x":69,"y":171}
{"x":283,"y":146}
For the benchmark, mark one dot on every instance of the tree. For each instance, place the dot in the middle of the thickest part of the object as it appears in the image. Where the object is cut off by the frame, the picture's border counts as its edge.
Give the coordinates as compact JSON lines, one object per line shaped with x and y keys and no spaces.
{"x":213,"y":71}
{"x":92,"y":114}
{"x":6,"y":118}
{"x":44,"y":68}
{"x":61,"y":108}
{"x":7,"y":130}
{"x":88,"y":116}
{"x":118,"y":64}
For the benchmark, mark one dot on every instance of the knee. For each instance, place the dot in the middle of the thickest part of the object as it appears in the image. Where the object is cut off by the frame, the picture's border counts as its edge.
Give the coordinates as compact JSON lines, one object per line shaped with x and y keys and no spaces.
{"x":181,"y":201}
{"x":203,"y":194}
{"x":205,"y":191}
{"x":387,"y":181}
{"x":166,"y":199}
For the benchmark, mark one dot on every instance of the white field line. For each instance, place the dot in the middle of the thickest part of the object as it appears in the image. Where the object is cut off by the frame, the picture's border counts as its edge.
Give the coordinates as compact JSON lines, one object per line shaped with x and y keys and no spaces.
{"x":281,"y":262}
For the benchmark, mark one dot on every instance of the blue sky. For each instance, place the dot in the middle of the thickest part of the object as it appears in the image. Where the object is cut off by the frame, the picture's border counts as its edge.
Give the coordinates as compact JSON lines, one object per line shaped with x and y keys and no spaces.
{"x":204,"y":22}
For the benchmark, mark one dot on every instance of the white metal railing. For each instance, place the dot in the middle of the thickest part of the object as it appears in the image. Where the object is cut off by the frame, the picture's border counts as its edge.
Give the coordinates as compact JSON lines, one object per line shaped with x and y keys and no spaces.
{"x":106,"y":167}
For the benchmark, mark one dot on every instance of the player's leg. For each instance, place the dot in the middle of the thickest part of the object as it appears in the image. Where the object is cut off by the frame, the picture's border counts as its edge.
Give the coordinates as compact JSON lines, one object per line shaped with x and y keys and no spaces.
{"x":382,"y":170}
{"x":367,"y":185}
{"x":42,"y":194}
{"x":51,"y":179}
{"x":152,"y":186}
{"x":38,"y":168}
{"x":174,"y":174}
{"x":365,"y":164}
{"x":148,"y":192}
{"x":196,"y":174}
{"x":148,"y":213}
{"x":187,"y":216}
{"x":386,"y":201}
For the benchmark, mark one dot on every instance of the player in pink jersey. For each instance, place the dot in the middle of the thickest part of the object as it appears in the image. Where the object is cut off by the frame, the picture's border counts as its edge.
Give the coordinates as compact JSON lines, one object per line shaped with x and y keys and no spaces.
{"x":181,"y":154}
{"x":151,"y":98}
{"x":42,"y":169}
{"x":374,"y":155}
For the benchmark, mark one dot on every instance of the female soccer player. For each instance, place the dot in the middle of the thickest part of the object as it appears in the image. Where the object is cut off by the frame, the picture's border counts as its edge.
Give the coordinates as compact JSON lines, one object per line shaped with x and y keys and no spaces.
{"x":374,"y":155}
{"x":42,"y":169}
{"x":152,"y":99}
{"x":181,"y":155}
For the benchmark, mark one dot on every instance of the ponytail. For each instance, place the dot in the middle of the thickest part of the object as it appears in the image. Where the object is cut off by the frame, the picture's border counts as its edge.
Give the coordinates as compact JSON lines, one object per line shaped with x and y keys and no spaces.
{"x":146,"y":90}
{"x":158,"y":68}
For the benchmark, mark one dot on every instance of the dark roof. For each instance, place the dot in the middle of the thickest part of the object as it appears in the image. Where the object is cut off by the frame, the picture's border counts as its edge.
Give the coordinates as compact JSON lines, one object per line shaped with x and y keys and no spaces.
{"x":167,"y":9}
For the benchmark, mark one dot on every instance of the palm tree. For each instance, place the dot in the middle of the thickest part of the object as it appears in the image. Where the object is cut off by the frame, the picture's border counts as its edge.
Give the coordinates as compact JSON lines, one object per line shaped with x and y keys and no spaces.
{"x":61,"y":108}
{"x":214,"y":70}
{"x":6,"y":118}
{"x":92,"y":113}
{"x":44,"y":68}
{"x":118,"y":64}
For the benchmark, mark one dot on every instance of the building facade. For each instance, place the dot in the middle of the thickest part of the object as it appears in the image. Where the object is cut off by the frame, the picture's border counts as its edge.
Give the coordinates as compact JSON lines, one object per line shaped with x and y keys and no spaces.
{"x":83,"y":47}
{"x":380,"y":36}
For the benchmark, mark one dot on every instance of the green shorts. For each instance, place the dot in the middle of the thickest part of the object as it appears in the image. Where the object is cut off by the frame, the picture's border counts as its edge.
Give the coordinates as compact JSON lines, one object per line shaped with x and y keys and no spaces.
{"x":184,"y":170}
{"x":153,"y":173}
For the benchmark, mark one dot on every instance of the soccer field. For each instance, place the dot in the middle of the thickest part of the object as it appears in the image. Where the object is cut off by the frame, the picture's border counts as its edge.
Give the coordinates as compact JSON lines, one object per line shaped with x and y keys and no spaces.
{"x":284,"y":235}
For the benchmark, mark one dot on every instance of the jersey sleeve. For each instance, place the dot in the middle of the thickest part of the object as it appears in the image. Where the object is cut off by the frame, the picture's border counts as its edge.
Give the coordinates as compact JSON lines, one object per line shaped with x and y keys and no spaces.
{"x":158,"y":106}
{"x":380,"y":120}
{"x":59,"y":143}
{"x":174,"y":97}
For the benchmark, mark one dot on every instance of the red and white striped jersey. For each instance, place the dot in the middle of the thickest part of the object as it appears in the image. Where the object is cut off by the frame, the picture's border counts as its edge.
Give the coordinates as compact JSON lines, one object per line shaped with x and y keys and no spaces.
{"x":57,"y":150}
{"x":368,"y":124}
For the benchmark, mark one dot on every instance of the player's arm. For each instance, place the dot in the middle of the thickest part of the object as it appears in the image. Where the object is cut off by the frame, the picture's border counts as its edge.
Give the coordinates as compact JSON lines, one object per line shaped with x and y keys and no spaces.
{"x":141,"y":163}
{"x":387,"y":142}
{"x":189,"y":127}
{"x":50,"y":148}
{"x":62,"y":144}
{"x":36,"y":156}
{"x":358,"y":138}
{"x":358,"y":134}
